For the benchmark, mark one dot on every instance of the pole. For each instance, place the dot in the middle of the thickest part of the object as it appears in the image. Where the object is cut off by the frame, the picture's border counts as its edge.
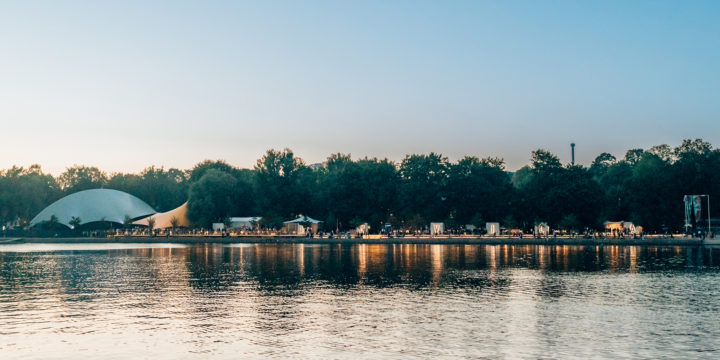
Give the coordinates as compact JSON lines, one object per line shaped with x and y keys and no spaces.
{"x":708,"y":233}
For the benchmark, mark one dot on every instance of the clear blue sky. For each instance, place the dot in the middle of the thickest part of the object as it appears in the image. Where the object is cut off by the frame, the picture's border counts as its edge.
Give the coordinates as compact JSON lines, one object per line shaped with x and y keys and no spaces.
{"x":123,"y":85}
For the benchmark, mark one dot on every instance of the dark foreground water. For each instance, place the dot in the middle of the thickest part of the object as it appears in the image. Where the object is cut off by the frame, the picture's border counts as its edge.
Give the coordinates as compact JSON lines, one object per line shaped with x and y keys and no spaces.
{"x":163,"y":301}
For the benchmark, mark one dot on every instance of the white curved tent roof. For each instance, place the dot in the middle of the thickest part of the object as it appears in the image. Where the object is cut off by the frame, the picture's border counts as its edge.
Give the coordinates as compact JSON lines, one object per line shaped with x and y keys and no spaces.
{"x":95,"y":205}
{"x":165,"y":220}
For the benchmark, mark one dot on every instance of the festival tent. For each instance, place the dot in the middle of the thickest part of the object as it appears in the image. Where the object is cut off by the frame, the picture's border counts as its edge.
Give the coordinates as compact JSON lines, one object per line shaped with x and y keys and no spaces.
{"x":437,"y":228}
{"x":626,"y":227}
{"x":244,"y":222}
{"x":492,"y":228}
{"x":542,"y":229}
{"x":296,"y":226}
{"x":95,"y":205}
{"x":165,"y":220}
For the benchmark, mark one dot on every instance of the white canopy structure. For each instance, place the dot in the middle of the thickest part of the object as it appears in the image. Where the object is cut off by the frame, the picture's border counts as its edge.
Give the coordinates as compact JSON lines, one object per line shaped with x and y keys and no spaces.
{"x":542,"y":229}
{"x":95,"y":205}
{"x":296,"y":226}
{"x":303,"y":219}
{"x":244,"y":222}
{"x":165,"y":220}
{"x":437,"y":228}
{"x":492,"y":228}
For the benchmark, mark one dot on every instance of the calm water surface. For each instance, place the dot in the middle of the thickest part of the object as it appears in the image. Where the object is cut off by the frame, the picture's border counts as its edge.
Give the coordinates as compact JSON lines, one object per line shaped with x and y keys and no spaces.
{"x":165,"y":301}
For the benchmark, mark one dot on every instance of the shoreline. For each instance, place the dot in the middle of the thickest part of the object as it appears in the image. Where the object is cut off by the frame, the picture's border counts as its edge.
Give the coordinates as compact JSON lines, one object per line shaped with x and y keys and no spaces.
{"x":655,"y":241}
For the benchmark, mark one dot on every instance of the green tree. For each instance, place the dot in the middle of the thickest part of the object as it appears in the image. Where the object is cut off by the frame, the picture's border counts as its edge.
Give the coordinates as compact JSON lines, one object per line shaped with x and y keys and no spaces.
{"x":633,"y":156}
{"x":174,"y":223}
{"x":379,"y":187}
{"x":509,"y":222}
{"x":151,"y":225}
{"x":199,"y":170}
{"x":211,"y":198}
{"x":695,"y":171}
{"x":522,"y":177}
{"x":543,"y":160}
{"x":647,"y":192}
{"x":478,"y":185}
{"x":365,"y":189}
{"x":78,"y":178}
{"x":569,"y":223}
{"x":129,"y":183}
{"x":615,"y":202}
{"x":664,"y":152}
{"x":416,"y":223}
{"x":422,"y":186}
{"x":283,"y":184}
{"x":554,"y":192}
{"x":271,"y":222}
{"x":75,"y":222}
{"x":601,"y":164}
{"x":243,"y":194}
{"x":478,"y":221}
{"x":227,"y":222}
{"x":25,"y":192}
{"x":692,"y":149}
{"x":162,"y":189}
{"x":355,"y":222}
{"x":53,"y":224}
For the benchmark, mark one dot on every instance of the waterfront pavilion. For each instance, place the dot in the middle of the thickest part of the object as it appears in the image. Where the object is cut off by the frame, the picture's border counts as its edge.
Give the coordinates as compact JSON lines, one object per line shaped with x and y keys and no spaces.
{"x":297,"y":226}
{"x":96,"y":205}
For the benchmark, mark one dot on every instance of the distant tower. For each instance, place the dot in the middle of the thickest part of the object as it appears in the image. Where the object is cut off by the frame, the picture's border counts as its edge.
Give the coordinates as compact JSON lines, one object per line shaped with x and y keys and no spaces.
{"x":572,"y":148}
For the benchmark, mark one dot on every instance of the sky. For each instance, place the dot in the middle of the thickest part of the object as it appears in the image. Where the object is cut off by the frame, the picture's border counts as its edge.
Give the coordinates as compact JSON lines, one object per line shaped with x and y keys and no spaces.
{"x":123,"y":85}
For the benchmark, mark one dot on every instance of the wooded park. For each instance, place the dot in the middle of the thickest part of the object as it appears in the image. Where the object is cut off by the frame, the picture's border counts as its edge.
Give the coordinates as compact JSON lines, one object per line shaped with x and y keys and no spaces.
{"x":645,"y":187}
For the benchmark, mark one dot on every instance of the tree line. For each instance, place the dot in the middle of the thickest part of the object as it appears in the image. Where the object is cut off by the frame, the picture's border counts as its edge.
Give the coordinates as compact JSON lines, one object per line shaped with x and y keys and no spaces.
{"x":645,"y":186}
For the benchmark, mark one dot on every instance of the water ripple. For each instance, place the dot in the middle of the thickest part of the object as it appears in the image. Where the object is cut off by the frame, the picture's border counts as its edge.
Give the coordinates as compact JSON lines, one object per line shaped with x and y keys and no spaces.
{"x":359,"y":301}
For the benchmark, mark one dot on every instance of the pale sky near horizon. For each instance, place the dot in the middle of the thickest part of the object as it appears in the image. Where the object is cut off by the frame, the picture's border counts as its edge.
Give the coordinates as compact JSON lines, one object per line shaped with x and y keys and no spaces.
{"x":123,"y":85}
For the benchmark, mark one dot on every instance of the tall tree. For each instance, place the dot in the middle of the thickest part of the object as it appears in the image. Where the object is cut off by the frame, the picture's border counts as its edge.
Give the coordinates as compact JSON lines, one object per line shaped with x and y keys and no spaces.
{"x":163,"y":189}
{"x":363,"y":190}
{"x":633,"y":156}
{"x":696,"y":171}
{"x":601,"y":164}
{"x":283,"y":184}
{"x":649,"y":195}
{"x":380,"y":189}
{"x":554,"y":192}
{"x":478,"y":187}
{"x":423,"y":179}
{"x":199,"y":170}
{"x":615,"y":205}
{"x":211,"y":198}
{"x":340,"y":189}
{"x":25,"y":192}
{"x":78,"y":178}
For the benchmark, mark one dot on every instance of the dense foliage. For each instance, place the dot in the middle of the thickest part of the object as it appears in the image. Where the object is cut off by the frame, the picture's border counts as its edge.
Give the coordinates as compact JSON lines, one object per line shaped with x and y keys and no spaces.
{"x":645,"y":187}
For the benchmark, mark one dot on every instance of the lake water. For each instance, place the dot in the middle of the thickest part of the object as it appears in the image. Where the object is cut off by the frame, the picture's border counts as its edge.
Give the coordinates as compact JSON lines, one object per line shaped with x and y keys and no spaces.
{"x":165,"y":301}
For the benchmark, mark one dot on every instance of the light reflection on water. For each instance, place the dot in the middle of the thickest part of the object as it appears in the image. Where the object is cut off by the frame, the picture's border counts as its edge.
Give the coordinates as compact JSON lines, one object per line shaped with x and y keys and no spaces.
{"x":33,"y":247}
{"x":348,"y":301}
